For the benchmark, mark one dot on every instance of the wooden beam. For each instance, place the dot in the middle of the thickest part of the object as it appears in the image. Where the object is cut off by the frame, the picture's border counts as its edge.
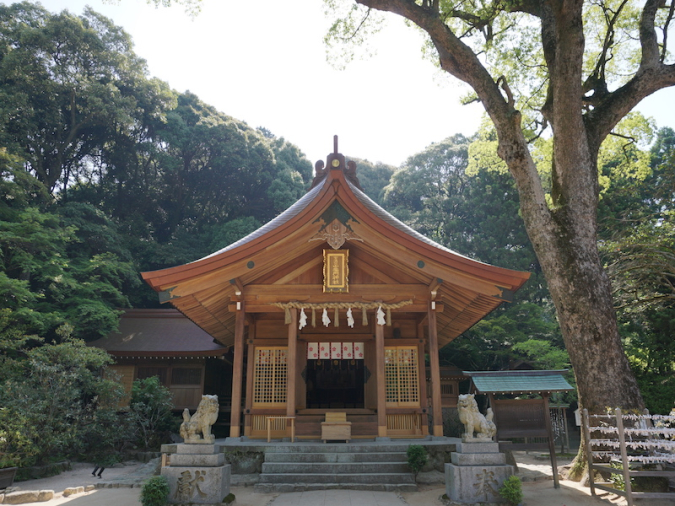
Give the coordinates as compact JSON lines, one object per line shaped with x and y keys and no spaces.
{"x":300,"y":270}
{"x":248,"y":403}
{"x":551,"y":440}
{"x":381,"y":379}
{"x":423,"y":384}
{"x":253,"y":307}
{"x":433,"y":287}
{"x":435,"y":375}
{"x":238,"y":287}
{"x":382,"y":291}
{"x":248,"y":268}
{"x":394,"y":263}
{"x":369,"y":266}
{"x":237,"y":371}
{"x":430,"y":267}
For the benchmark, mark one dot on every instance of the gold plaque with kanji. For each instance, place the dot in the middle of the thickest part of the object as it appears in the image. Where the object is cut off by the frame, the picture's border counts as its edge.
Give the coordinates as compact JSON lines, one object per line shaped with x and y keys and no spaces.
{"x":335,"y":271}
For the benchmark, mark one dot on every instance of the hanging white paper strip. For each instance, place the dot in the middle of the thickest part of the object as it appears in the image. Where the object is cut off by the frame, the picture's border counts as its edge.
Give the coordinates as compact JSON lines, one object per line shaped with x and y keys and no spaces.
{"x":303,"y":319}
{"x":380,"y":316}
{"x":324,"y":318}
{"x":350,"y":318}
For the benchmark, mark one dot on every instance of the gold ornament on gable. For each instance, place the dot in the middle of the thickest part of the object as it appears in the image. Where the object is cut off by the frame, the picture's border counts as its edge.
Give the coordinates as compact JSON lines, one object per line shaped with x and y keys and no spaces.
{"x":336,"y":271}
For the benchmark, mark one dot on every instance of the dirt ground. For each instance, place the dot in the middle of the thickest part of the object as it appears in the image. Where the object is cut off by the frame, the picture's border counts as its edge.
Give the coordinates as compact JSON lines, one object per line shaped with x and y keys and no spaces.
{"x":536,"y":473}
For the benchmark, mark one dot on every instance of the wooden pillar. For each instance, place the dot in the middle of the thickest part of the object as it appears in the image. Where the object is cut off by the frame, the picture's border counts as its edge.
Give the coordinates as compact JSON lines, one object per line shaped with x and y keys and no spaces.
{"x":291,"y":363}
{"x":381,"y":388}
{"x":423,"y":388}
{"x":237,"y":371}
{"x":250,"y":371}
{"x":551,"y":440}
{"x":435,"y":373}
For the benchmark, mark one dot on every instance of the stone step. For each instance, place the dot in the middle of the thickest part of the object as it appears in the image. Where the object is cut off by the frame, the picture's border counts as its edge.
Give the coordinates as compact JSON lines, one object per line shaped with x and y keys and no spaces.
{"x":337,"y":457}
{"x":362,"y":447}
{"x":359,"y":478}
{"x":334,"y":467}
{"x":266,"y":488}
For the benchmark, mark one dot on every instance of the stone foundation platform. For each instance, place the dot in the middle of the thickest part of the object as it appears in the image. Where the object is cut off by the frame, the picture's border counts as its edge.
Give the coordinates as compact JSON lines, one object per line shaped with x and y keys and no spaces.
{"x":476,"y":473}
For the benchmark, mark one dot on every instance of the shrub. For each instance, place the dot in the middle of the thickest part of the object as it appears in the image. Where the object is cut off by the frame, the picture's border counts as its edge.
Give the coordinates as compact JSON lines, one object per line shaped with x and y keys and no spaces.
{"x":417,"y":458}
{"x":17,"y":445}
{"x":512,"y":490}
{"x":50,"y":395}
{"x":150,"y":412}
{"x":155,"y":491}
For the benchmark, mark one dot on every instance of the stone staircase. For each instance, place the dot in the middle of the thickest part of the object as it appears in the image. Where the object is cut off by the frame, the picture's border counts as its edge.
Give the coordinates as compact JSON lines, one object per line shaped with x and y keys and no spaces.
{"x":328,"y":466}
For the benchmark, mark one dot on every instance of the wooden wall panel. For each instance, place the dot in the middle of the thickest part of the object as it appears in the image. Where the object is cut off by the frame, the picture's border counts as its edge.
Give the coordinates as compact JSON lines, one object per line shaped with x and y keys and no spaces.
{"x":126,"y":378}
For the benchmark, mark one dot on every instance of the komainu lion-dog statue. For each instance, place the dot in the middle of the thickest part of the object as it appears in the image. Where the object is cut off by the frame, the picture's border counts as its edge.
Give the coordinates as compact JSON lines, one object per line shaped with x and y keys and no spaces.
{"x":474,"y":421}
{"x":200,"y":422}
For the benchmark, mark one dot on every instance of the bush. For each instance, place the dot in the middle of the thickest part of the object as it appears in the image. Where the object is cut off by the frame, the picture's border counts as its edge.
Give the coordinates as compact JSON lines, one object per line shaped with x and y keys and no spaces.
{"x":50,"y":396}
{"x":17,"y":445}
{"x":155,"y":491}
{"x":512,"y":490}
{"x":151,"y":412}
{"x":417,"y":458}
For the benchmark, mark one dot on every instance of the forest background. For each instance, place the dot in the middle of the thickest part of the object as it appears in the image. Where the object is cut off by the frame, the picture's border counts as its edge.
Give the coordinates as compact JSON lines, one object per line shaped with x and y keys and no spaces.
{"x":108,"y":172}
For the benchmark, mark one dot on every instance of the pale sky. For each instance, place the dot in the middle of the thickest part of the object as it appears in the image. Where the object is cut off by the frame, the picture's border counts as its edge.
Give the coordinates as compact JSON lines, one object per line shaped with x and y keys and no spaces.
{"x":264,"y":62}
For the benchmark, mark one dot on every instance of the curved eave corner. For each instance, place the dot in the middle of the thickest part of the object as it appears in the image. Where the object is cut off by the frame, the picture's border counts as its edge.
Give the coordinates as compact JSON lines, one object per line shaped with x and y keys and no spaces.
{"x":254,"y":242}
{"x":336,"y":182}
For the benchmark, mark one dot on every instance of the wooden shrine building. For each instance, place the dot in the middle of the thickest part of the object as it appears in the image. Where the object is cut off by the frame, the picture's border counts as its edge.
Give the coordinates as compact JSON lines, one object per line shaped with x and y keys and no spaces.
{"x":331,"y":308}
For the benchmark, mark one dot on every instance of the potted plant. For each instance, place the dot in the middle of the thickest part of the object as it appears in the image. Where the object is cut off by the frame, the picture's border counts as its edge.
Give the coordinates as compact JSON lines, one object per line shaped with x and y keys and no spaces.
{"x":8,"y":468}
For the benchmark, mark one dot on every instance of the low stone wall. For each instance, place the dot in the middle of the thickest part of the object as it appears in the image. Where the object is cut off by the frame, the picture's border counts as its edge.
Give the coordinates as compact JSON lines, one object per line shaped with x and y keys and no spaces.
{"x":244,"y":461}
{"x":439,"y":455}
{"x":142,"y":456}
{"x":26,"y":496}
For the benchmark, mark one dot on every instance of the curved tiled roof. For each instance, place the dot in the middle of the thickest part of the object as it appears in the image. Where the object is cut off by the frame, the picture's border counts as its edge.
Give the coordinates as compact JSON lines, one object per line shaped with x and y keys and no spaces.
{"x":378,"y":211}
{"x":204,"y":289}
{"x":158,"y":332}
{"x":284,"y":217}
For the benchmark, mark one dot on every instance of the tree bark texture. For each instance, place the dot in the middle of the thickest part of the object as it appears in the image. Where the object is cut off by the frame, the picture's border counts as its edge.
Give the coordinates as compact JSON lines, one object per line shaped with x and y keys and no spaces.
{"x":564,"y":234}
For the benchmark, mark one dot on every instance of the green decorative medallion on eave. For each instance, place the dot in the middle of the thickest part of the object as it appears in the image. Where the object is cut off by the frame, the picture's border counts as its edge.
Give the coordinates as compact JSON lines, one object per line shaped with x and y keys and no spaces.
{"x":166,"y":296}
{"x":335,"y":212}
{"x":506,"y":295}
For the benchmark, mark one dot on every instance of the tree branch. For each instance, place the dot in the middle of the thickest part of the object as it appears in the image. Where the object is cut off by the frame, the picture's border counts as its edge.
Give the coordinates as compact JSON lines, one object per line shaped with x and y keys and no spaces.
{"x":651,"y":76}
{"x":459,"y":60}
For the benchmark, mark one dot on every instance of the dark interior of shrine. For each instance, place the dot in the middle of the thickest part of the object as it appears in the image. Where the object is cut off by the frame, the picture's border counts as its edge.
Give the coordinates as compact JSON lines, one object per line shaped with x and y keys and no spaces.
{"x":335,"y":383}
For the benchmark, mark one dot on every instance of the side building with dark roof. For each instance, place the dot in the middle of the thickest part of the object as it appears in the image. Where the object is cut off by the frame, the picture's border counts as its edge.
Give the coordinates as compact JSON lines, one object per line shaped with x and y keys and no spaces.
{"x":166,"y":344}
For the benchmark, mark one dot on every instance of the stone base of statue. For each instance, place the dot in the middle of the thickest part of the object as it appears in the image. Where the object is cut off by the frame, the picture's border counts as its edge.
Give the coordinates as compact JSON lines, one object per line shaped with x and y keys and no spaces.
{"x":197,"y":474}
{"x":477,"y":472}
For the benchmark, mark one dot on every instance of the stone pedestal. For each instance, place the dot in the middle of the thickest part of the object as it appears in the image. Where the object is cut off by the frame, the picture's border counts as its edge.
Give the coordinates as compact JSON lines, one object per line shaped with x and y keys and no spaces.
{"x":476,"y":474}
{"x":197,"y":474}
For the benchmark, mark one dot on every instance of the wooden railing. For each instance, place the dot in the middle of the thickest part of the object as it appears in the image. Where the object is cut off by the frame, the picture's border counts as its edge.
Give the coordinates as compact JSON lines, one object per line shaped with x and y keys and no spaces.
{"x":626,"y":451}
{"x":404,"y":424}
{"x":270,"y":426}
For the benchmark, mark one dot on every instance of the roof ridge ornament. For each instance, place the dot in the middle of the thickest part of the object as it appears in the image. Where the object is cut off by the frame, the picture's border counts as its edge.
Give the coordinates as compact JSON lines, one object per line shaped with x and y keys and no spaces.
{"x":335,"y":161}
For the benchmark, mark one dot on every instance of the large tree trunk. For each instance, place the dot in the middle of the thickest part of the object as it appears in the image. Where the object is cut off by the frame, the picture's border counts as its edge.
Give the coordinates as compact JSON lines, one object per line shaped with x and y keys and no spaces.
{"x":581,"y":291}
{"x":564,"y":233}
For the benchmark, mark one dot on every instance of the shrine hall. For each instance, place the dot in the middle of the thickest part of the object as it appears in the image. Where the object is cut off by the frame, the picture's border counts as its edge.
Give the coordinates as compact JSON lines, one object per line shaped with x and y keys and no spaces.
{"x":334,"y":308}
